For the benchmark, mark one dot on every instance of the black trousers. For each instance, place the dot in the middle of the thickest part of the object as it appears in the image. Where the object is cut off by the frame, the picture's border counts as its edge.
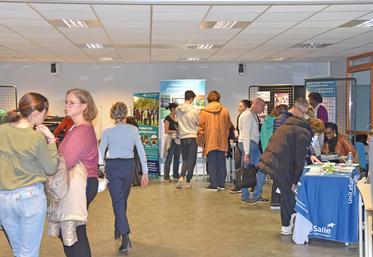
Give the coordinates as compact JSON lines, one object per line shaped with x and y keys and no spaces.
{"x":81,"y":248}
{"x":120,"y":173}
{"x":275,"y":197}
{"x":189,"y":153}
{"x":217,"y":168}
{"x":287,"y":201}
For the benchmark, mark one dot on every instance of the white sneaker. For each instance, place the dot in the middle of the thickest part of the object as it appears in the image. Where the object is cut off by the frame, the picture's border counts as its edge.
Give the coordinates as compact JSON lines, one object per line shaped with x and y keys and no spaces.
{"x":188,"y":185}
{"x":286,"y":230}
{"x":289,"y":229}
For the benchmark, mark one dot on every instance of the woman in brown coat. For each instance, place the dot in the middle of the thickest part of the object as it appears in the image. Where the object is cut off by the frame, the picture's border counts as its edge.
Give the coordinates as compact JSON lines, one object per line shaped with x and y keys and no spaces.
{"x":335,"y":142}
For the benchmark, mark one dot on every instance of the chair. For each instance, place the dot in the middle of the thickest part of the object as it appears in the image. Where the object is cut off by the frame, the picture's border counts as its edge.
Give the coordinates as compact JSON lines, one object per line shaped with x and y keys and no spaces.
{"x":360,"y":149}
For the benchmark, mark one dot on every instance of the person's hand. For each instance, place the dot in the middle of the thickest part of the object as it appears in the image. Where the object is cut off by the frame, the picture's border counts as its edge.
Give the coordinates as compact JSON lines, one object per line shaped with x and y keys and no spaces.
{"x":46,"y":132}
{"x":246,"y":159}
{"x":314,"y":159}
{"x":144,"y":180}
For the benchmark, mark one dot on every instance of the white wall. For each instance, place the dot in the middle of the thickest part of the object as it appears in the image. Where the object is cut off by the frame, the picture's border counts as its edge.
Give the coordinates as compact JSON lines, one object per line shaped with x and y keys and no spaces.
{"x":110,"y":82}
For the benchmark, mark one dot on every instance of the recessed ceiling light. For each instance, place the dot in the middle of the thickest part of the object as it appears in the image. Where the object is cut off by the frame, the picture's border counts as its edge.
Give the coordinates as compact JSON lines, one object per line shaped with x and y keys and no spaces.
{"x":358,"y":23}
{"x":94,"y":45}
{"x":202,"y":46}
{"x":311,"y":45}
{"x":366,"y":24}
{"x":75,"y":23}
{"x":277,"y":58}
{"x":106,"y":59}
{"x":224,"y":24}
{"x":192,"y":59}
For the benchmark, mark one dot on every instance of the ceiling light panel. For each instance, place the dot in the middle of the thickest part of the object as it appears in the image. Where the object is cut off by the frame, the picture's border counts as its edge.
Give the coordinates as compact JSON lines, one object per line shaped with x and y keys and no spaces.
{"x":179,"y":13}
{"x":75,"y":23}
{"x":366,"y":24}
{"x":295,"y":8}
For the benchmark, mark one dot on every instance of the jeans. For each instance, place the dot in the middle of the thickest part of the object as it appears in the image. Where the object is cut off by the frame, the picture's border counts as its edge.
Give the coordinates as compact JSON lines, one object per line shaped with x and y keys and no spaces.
{"x":189,"y":153}
{"x":217,"y":168}
{"x":260,"y":176}
{"x":173,"y":153}
{"x":22,"y":215}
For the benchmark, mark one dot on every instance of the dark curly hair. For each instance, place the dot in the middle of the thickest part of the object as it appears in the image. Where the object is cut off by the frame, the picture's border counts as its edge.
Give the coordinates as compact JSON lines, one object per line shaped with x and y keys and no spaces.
{"x":315,"y":96}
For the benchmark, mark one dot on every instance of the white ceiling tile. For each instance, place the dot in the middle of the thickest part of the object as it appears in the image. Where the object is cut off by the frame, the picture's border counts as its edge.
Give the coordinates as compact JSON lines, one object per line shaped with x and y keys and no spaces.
{"x":179,"y":13}
{"x":367,"y":17}
{"x":281,"y":16}
{"x":350,"y":8}
{"x":320,"y":24}
{"x":337,"y":16}
{"x":59,"y":15}
{"x":239,"y":9}
{"x":126,"y":24}
{"x":219,"y":16}
{"x":176,"y":25}
{"x":121,"y":8}
{"x":19,"y":14}
{"x":272,"y":24}
{"x":295,"y":8}
{"x":26,"y":23}
{"x":43,"y":7}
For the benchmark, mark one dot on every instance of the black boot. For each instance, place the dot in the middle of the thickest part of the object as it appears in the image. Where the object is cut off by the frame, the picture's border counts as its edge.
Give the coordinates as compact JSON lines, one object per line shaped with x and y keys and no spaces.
{"x":116,"y":235}
{"x":126,"y":244}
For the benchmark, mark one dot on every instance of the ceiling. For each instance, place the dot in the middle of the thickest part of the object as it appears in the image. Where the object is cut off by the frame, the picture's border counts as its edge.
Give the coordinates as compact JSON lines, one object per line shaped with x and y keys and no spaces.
{"x":164,"y":32}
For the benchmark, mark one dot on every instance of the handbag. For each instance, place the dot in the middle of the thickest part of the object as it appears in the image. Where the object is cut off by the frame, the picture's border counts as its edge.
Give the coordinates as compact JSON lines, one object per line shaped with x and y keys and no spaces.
{"x":248,"y":176}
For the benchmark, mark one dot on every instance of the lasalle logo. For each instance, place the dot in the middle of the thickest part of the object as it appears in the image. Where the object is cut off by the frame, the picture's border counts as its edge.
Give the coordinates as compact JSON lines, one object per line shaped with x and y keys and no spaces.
{"x":324,"y":230}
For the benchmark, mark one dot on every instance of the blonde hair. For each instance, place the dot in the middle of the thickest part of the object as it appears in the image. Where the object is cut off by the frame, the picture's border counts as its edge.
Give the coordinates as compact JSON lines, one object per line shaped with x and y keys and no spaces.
{"x":118,"y":111}
{"x":85,"y":98}
{"x":317,"y":125}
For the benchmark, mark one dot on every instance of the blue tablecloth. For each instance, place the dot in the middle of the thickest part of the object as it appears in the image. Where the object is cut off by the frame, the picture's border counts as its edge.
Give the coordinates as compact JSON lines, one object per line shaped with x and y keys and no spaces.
{"x":330,"y":203}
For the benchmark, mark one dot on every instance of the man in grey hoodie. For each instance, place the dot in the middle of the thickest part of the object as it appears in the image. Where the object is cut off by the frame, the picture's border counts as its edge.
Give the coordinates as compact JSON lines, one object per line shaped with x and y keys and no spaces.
{"x":187,"y":118}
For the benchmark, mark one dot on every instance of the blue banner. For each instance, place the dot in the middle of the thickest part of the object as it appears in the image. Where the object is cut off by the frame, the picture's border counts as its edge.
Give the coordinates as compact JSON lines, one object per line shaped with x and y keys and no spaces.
{"x":146,"y":114}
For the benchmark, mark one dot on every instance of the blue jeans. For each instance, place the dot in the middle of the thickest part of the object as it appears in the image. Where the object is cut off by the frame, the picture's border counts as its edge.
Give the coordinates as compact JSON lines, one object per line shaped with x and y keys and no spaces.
{"x":260,"y":176}
{"x":173,"y":153}
{"x":22,"y":215}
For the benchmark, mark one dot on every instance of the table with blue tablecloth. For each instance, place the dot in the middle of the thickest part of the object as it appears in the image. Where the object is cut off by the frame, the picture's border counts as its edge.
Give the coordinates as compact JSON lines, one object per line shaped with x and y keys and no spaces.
{"x":327,"y":207}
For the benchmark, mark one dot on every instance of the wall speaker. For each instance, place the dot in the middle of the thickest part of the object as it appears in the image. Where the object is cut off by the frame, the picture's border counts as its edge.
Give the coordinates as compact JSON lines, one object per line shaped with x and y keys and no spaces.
{"x":55,"y":68}
{"x":241,"y":69}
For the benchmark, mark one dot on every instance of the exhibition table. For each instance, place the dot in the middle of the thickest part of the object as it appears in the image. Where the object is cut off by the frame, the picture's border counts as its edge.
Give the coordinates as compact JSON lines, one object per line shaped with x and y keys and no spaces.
{"x":327,"y":206}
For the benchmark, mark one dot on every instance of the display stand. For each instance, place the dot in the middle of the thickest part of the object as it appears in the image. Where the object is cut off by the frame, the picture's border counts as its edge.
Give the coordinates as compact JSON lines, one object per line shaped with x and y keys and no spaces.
{"x":8,"y":97}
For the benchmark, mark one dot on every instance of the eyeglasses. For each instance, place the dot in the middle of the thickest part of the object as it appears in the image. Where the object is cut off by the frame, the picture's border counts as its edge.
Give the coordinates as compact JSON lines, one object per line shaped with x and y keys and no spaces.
{"x":71,"y":103}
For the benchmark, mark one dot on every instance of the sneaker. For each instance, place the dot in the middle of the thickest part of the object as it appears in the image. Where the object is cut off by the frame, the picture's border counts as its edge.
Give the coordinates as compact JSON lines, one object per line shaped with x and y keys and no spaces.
{"x":179,"y":184}
{"x":249,"y":202}
{"x":275,"y":207}
{"x":263,"y":200}
{"x":285,"y":231}
{"x":211,"y":188}
{"x":221,"y":188}
{"x":167,"y":180}
{"x":188,"y":185}
{"x":235,"y":191}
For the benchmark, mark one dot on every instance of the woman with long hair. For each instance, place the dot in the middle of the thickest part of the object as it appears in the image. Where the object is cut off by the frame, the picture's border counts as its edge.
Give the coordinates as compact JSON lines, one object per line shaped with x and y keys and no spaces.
{"x":28,"y":154}
{"x":80,"y":145}
{"x":120,"y":140}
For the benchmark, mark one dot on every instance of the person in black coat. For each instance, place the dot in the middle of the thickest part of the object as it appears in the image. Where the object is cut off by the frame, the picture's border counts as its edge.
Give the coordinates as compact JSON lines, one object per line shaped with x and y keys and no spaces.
{"x":284,"y":159}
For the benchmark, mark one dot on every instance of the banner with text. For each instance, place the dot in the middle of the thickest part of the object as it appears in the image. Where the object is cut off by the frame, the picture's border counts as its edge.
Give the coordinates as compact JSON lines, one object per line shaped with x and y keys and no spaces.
{"x":146,"y":114}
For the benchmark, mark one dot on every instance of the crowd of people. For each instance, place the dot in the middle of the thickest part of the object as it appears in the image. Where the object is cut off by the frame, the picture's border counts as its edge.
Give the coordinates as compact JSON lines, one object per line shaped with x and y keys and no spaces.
{"x":279,"y":147}
{"x":30,"y":156}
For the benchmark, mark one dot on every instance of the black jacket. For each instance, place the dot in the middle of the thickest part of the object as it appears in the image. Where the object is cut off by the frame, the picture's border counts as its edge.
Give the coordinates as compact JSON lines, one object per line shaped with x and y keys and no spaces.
{"x":286,"y":152}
